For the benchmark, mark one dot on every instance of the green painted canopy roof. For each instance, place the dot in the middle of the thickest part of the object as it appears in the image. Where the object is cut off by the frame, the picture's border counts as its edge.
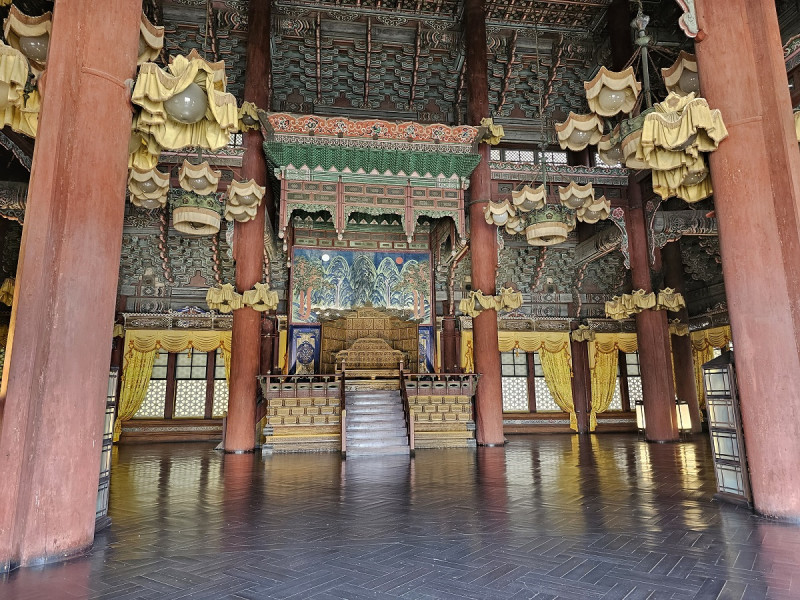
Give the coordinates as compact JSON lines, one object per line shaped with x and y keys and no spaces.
{"x":394,"y":161}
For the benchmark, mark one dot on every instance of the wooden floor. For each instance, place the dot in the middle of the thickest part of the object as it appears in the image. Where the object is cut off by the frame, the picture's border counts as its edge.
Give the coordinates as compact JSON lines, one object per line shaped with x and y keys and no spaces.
{"x":548,"y":517}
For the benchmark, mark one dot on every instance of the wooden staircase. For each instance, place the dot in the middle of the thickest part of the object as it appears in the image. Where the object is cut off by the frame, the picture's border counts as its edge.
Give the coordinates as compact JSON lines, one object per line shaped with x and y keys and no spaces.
{"x":376,"y":422}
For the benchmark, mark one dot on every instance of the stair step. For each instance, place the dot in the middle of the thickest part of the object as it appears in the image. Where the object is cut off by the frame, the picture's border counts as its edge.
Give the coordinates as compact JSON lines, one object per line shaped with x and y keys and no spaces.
{"x":378,"y":451}
{"x":371,"y":401}
{"x":376,"y":426}
{"x":375,"y":443}
{"x":361,"y":436}
{"x":375,"y":410}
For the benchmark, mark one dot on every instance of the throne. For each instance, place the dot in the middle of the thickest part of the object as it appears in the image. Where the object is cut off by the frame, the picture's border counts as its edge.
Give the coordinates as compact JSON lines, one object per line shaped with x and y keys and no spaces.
{"x":371,"y":358}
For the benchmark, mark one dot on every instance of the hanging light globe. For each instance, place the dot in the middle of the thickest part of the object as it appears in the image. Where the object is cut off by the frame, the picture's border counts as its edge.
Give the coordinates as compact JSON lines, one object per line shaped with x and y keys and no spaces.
{"x":148,"y":186}
{"x":200,"y":179}
{"x":187,"y":106}
{"x":612,"y":92}
{"x":35,"y":47}
{"x":611,"y":100}
{"x":579,"y":131}
{"x":689,"y":82}
{"x":681,"y":77}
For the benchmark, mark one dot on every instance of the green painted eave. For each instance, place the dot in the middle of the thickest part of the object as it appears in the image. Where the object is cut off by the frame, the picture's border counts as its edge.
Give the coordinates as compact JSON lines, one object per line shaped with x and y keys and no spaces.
{"x":371,"y":159}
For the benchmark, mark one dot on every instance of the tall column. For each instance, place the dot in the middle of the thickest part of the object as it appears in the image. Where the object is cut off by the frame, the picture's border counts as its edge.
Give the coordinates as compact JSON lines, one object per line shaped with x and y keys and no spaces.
{"x":652,"y":333}
{"x":685,"y":386}
{"x":63,"y":312}
{"x":756,"y":177}
{"x":581,"y":384}
{"x":449,"y":348}
{"x":483,"y":237}
{"x":248,"y":245}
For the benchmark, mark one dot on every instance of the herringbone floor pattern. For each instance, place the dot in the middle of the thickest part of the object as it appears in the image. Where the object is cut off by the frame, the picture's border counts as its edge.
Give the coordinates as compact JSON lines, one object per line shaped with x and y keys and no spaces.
{"x":547,"y":517}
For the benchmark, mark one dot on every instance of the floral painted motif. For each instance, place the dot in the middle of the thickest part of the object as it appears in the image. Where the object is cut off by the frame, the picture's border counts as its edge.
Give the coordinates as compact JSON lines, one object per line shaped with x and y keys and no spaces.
{"x":369,"y":128}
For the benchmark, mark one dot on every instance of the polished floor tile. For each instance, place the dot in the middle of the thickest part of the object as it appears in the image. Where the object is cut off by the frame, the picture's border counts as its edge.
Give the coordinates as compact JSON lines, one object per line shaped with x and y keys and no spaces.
{"x":604,"y":518}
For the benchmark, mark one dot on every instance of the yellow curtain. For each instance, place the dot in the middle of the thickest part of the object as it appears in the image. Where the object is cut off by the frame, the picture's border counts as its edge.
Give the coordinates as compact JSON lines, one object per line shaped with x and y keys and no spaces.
{"x":604,"y":381}
{"x":142,"y":345}
{"x":136,"y":372}
{"x":557,"y":368}
{"x":283,"y":337}
{"x":700,"y":357}
{"x":226,"y":356}
{"x":703,"y":344}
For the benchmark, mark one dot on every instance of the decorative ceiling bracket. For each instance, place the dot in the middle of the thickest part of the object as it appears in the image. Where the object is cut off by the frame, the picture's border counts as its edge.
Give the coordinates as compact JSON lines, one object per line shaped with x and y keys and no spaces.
{"x":688,"y":20}
{"x":650,"y":210}
{"x":670,"y":226}
{"x":618,"y":218}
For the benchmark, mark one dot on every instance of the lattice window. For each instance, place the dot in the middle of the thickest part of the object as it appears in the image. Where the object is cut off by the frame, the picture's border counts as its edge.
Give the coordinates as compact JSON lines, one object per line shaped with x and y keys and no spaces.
{"x":153,"y":405}
{"x":544,"y":398}
{"x":514,"y":368}
{"x":220,"y":387}
{"x":556,"y":158}
{"x":190,"y":398}
{"x":236,"y":140}
{"x":515,"y":394}
{"x":190,"y":391}
{"x":616,"y":400}
{"x":511,"y":155}
{"x":634,"y":379}
{"x":527,"y":156}
{"x":494,"y":154}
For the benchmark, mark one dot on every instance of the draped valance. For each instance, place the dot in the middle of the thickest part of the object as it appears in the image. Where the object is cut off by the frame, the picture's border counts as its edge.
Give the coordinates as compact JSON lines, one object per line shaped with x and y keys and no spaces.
{"x":607,"y":343}
{"x":718,"y":337}
{"x":146,"y":340}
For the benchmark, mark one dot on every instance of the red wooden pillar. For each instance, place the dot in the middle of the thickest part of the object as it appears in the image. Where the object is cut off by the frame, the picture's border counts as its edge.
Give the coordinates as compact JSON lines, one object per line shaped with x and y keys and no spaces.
{"x":685,"y":386}
{"x":483,"y":238}
{"x":581,"y":384}
{"x":756,"y":177}
{"x":652,"y":333}
{"x":248,"y":246}
{"x":63,"y":313}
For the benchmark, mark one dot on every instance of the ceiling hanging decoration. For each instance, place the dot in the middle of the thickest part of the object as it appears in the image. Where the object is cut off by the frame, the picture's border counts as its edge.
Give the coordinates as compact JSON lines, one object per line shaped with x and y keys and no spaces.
{"x":148,"y":188}
{"x":599,"y":210}
{"x":186,"y":105}
{"x":498,"y":213}
{"x":579,"y":131}
{"x":627,"y":305}
{"x":261,"y":298}
{"x":151,"y":41}
{"x":681,"y":78}
{"x":609,"y":148}
{"x":224,"y":298}
{"x":17,"y":111}
{"x":669,"y":299}
{"x":196,"y":215}
{"x":7,"y":291}
{"x":477,"y":302}
{"x":29,"y":35}
{"x":676,"y":327}
{"x":143,"y":150}
{"x":528,"y":198}
{"x":248,"y":117}
{"x":243,"y":200}
{"x":200,"y":179}
{"x":583,"y":334}
{"x":550,"y":225}
{"x":675,"y":137}
{"x":575,"y":196}
{"x":490,"y":133}
{"x":610,"y":93}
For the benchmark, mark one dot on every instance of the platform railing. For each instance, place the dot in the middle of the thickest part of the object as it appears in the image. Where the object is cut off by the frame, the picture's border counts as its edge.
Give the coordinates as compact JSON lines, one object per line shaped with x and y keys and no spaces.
{"x":409,"y":416}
